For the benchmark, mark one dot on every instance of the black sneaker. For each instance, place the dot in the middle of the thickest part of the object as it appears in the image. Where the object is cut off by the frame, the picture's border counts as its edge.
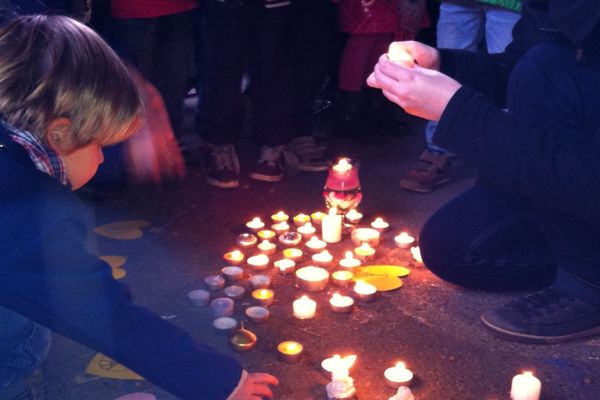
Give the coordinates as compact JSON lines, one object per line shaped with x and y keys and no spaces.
{"x":548,"y":316}
{"x":222,"y":166}
{"x":269,"y":167}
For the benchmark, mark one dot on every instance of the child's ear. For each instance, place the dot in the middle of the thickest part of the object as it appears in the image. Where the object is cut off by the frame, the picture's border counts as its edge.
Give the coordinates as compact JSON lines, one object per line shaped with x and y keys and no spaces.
{"x":58,"y":135}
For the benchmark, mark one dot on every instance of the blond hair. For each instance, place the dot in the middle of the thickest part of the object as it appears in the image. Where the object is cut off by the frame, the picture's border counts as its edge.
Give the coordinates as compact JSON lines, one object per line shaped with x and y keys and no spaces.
{"x":55,"y":67}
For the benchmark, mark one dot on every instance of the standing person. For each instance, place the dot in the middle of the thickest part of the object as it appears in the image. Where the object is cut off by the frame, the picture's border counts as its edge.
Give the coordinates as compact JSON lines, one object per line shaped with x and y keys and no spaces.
{"x":532,"y":219}
{"x":462,"y":25}
{"x":51,"y":146}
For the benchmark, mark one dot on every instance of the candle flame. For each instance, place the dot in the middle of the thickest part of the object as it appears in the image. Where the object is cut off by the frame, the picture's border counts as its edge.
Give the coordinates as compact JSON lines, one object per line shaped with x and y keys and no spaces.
{"x":349,"y":255}
{"x":400,"y":365}
{"x":333,"y":211}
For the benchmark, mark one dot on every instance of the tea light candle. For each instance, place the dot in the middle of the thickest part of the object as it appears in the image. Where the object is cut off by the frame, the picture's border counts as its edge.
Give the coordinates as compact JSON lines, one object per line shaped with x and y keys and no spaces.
{"x":416,"y":254}
{"x":199,"y":297}
{"x":337,"y":363}
{"x":280,"y":216}
{"x":280,"y":227}
{"x":293,"y":254}
{"x":266,"y":234}
{"x":301,"y":219}
{"x":315,"y":245}
{"x":290,"y":351}
{"x":285,"y":266}
{"x":265,"y":297}
{"x":304,"y":308}
{"x":342,"y":278}
{"x":380,"y":225}
{"x":364,"y":291}
{"x":353,"y":216}
{"x":234,"y":292}
{"x":525,"y":386}
{"x":290,"y":239}
{"x":398,"y":54}
{"x":398,"y":375}
{"x":255,"y":224}
{"x":404,"y":240}
{"x":341,"y":304}
{"x":349,"y":262}
{"x":364,"y":252}
{"x":317,"y":217}
{"x":214,"y":282}
{"x":222,"y":307}
{"x":232,"y":274}
{"x":225,"y":325}
{"x":258,"y":262}
{"x":246,"y":240}
{"x":307,"y":230}
{"x":312,"y":279}
{"x":259,"y":282}
{"x":365,"y":235}
{"x":342,"y":166}
{"x":331,"y":227}
{"x":267,"y":247}
{"x":258,"y":314}
{"x":234,"y":257}
{"x":323,"y":259}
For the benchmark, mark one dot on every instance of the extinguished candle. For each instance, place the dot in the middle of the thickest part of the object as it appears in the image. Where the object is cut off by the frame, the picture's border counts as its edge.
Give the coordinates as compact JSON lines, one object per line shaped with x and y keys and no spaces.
{"x":323,"y":259}
{"x":304,"y":308}
{"x":280,"y":216}
{"x":258,"y":262}
{"x":258,"y":314}
{"x":222,"y":307}
{"x":234,"y":292}
{"x":380,"y":224}
{"x":234,"y":257}
{"x":315,"y":245}
{"x":340,"y":303}
{"x":404,"y":240}
{"x":232,"y":273}
{"x":398,"y":375}
{"x":214,"y":282}
{"x":255,"y":224}
{"x":331,"y":227}
{"x":259,"y":281}
{"x":290,"y":239}
{"x":349,"y":262}
{"x":265,"y":297}
{"x":525,"y":386}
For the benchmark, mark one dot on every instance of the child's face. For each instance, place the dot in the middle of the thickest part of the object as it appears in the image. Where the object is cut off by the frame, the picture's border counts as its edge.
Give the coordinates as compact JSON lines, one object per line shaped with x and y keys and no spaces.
{"x":82,"y":164}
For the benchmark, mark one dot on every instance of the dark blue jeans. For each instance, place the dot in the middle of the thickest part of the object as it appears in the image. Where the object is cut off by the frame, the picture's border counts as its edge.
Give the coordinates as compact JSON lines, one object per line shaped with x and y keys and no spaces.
{"x":491,"y":240}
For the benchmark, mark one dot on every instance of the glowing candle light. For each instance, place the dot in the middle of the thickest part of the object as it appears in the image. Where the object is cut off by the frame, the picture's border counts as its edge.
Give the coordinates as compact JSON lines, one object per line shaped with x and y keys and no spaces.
{"x":341,"y":386}
{"x":404,"y":240}
{"x":342,"y":278}
{"x":280,"y":216}
{"x":340,"y":303}
{"x":266,"y":234}
{"x":342,"y":166}
{"x":246,"y":240}
{"x":337,"y":363}
{"x":301,"y":219}
{"x":366,"y":235}
{"x":267,"y":247}
{"x":290,"y":351}
{"x":285,"y":266}
{"x":307,"y":230}
{"x":304,"y":308}
{"x":234,"y":257}
{"x":317,"y":217}
{"x":364,"y":252}
{"x":380,"y":224}
{"x":398,"y":375}
{"x":315,"y":245}
{"x":323,"y":259}
{"x":525,"y":386}
{"x":397,"y":53}
{"x":293,"y":254}
{"x":353,"y":216}
{"x":255,"y":224}
{"x":364,"y":291}
{"x":265,"y":297}
{"x":312,"y":279}
{"x":280,"y":227}
{"x":349,"y":262}
{"x":199,"y":297}
{"x":331,"y":227}
{"x":258,"y":262}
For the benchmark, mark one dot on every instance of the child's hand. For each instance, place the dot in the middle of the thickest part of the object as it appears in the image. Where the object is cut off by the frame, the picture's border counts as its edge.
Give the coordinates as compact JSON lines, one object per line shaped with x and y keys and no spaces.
{"x":255,"y":387}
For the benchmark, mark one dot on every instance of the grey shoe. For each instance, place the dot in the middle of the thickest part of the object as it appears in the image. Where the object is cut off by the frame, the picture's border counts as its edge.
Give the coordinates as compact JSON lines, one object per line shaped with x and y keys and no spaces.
{"x":431,"y":171}
{"x":269,"y":167}
{"x":304,"y":154}
{"x":222,"y":166}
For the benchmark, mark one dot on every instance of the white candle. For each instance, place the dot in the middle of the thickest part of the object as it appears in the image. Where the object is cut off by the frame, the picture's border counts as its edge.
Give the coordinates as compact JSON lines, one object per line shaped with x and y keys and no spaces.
{"x":323,"y":259}
{"x":364,"y":291}
{"x":234,"y":292}
{"x":404,"y":240}
{"x":285,"y":265}
{"x":199,"y":297}
{"x":349,"y":262}
{"x":222,"y":307}
{"x":366,"y":235}
{"x":225,"y":325}
{"x":255,"y":224}
{"x":267,"y":247}
{"x":341,"y":304}
{"x":290,"y":239}
{"x":364,"y":252}
{"x":214,"y":282}
{"x":307,"y":230}
{"x":304,"y":308}
{"x":246,"y":240}
{"x":416,"y":254}
{"x":337,"y":363}
{"x":281,"y":227}
{"x":280,"y":216}
{"x":380,"y":224}
{"x":331,"y":227}
{"x":315,"y":244}
{"x":293,"y":254}
{"x":312,"y":279}
{"x":258,"y":314}
{"x":398,"y":375}
{"x":353,"y":216}
{"x":525,"y":386}
{"x":258,"y":262}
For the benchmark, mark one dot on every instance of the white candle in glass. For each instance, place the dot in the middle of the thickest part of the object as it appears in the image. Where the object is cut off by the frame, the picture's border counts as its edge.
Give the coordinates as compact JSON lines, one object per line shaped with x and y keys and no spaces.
{"x":304,"y":308}
{"x":525,"y":386}
{"x":331,"y":227}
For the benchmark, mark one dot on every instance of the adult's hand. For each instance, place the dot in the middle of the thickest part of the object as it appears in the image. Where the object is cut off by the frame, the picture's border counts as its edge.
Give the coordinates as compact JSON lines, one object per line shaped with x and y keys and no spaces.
{"x":419,"y":91}
{"x":255,"y":387}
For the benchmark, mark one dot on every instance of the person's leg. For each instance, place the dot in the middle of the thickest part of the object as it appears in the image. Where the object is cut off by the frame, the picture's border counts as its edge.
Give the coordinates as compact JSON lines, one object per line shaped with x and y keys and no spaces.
{"x":138,"y":37}
{"x":23,"y":346}
{"x":499,"y":23}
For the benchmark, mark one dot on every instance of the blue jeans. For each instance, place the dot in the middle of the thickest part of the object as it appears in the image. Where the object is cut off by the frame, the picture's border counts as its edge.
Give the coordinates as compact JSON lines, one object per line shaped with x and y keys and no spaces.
{"x":463,"y":27}
{"x":23,"y":346}
{"x":491,"y":240}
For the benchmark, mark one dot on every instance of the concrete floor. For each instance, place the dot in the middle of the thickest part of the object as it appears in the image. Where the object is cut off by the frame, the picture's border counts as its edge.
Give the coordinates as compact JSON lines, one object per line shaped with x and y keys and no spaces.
{"x":431,"y":325}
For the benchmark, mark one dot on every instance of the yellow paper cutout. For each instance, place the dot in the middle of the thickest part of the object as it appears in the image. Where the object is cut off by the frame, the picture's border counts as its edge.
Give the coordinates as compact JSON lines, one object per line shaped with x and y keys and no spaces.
{"x":118,"y":273}
{"x":122,"y":230}
{"x":393,"y":270}
{"x":383,"y":283}
{"x":106,"y":367}
{"x":114,"y":261}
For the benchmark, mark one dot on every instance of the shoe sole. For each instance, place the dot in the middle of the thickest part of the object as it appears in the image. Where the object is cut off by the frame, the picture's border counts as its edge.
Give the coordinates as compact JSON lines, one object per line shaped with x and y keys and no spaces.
{"x":312,"y":169}
{"x":536,"y":339}
{"x":422,"y":189}
{"x":221,"y":184}
{"x":265,"y":178}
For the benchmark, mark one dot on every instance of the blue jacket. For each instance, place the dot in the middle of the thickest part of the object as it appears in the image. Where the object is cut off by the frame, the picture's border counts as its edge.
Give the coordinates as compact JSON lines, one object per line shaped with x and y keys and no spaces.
{"x":48,"y":275}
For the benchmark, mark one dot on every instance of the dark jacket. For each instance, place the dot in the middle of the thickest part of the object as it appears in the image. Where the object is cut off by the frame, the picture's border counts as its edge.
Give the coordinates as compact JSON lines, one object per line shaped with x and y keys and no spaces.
{"x":48,"y":275}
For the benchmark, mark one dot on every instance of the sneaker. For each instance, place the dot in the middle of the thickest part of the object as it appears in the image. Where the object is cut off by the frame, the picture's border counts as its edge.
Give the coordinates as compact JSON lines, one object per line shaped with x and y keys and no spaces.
{"x":304,"y":154}
{"x":548,"y":316}
{"x":269,"y":167}
{"x":432,"y":170}
{"x":222,"y":166}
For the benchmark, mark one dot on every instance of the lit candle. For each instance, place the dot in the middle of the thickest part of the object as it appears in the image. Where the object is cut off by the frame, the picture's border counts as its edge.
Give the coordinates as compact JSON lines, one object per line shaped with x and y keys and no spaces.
{"x":398,"y":375}
{"x":317,"y":217}
{"x":404,"y":240}
{"x":234,"y":257}
{"x":255,"y":224}
{"x":525,"y":386}
{"x":397,"y":53}
{"x":349,"y":262}
{"x":342,"y":166}
{"x":232,"y":274}
{"x":307,"y":230}
{"x":290,"y":351}
{"x":246,"y":240}
{"x":258,"y":314}
{"x":312,"y":279}
{"x":222,"y":307}
{"x":315,"y":244}
{"x":304,"y":308}
{"x":353,"y":216}
{"x":403,"y":393}
{"x":342,"y":278}
{"x":365,"y":235}
{"x":199,"y":297}
{"x":293,"y":254}
{"x":234,"y":292}
{"x":214,"y":282}
{"x":258,"y":262}
{"x":290,"y":239}
{"x":364,"y":252}
{"x":416,"y":254}
{"x":267,"y":247}
{"x":331,"y":227}
{"x":259,"y":281}
{"x":280,"y":216}
{"x":301,"y":219}
{"x":266,"y":234}
{"x":341,"y":304}
{"x":364,"y":291}
{"x":337,"y":363}
{"x":280,"y":227}
{"x":323,"y":259}
{"x":341,"y":386}
{"x":380,"y":224}
{"x":265,"y":297}
{"x":225,"y":325}
{"x":285,"y":266}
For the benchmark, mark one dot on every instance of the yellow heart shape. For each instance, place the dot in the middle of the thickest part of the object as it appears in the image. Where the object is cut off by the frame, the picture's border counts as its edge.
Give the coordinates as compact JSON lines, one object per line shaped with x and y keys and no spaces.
{"x":394,"y":270}
{"x":383,"y":283}
{"x":123,"y":230}
{"x":114,"y":261}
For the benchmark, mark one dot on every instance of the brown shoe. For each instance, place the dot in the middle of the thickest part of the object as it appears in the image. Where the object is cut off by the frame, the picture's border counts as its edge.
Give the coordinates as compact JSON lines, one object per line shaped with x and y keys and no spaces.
{"x":432,"y":170}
